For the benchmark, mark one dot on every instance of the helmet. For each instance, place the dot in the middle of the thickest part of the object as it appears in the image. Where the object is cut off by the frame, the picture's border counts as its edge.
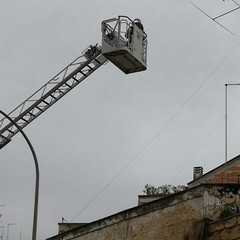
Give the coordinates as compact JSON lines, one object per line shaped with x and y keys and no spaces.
{"x":137,"y":20}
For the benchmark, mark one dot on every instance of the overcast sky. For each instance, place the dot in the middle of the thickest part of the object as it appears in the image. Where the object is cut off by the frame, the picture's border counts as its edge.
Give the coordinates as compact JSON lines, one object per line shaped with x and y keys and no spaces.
{"x":99,"y":145}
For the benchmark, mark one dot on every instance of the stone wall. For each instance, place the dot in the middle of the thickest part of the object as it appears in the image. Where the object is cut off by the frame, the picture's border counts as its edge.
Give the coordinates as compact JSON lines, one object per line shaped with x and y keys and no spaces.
{"x":226,"y":229}
{"x":169,"y":218}
{"x":142,"y":199}
{"x":64,"y":227}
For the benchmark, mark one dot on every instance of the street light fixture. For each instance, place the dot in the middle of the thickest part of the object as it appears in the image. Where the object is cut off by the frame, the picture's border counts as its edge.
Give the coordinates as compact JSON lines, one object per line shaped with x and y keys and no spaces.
{"x":35,"y":212}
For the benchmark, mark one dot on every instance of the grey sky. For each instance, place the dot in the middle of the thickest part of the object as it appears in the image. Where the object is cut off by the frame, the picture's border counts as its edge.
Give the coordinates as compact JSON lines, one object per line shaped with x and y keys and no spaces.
{"x":146,"y":123}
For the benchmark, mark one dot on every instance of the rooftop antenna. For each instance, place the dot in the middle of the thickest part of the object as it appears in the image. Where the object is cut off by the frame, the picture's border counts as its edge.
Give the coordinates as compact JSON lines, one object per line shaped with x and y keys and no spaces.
{"x":64,"y":220}
{"x":219,"y":16}
{"x":226,"y":126}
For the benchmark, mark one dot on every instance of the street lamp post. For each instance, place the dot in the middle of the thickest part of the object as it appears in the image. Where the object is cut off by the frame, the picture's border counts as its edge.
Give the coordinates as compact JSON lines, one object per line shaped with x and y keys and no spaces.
{"x":1,"y":236}
{"x":35,"y":212}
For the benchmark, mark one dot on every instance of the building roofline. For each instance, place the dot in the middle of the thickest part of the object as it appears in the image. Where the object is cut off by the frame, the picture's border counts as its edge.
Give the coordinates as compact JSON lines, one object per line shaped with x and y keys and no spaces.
{"x":139,"y":210}
{"x":220,"y":166}
{"x":132,"y":212}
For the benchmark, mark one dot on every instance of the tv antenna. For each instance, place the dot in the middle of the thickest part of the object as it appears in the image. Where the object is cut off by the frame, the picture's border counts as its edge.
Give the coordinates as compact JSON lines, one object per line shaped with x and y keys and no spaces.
{"x":215,"y":19}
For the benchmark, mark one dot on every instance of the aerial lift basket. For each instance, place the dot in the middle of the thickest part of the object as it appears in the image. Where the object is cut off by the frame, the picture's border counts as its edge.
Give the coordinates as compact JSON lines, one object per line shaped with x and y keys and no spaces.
{"x":124,"y":44}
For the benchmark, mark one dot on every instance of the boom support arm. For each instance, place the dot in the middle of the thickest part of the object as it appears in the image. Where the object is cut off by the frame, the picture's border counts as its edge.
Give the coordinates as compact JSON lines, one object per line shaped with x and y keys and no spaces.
{"x":51,"y":92}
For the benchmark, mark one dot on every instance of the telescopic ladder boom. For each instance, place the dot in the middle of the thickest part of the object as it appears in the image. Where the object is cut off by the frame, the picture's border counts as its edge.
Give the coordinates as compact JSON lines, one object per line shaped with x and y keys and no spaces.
{"x":51,"y":92}
{"x":123,"y":43}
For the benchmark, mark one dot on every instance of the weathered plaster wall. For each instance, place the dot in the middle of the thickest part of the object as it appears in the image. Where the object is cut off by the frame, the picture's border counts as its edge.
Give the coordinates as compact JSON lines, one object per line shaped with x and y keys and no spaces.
{"x":219,"y":196}
{"x":226,"y":229}
{"x":63,"y":227}
{"x":169,"y":218}
{"x":142,"y":199}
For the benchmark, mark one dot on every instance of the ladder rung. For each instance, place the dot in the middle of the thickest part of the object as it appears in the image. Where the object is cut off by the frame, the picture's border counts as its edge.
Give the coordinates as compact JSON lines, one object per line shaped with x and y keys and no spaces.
{"x":39,"y":108}
{"x":83,"y":73}
{"x":24,"y":119}
{"x":31,"y":114}
{"x":75,"y":79}
{"x":90,"y":67}
{"x":53,"y":96}
{"x":10,"y":131}
{"x":68,"y":85}
{"x":46,"y":102}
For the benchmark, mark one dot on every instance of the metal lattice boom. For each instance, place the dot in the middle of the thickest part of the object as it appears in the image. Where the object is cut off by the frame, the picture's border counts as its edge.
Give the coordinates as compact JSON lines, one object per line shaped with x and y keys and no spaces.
{"x":51,"y":92}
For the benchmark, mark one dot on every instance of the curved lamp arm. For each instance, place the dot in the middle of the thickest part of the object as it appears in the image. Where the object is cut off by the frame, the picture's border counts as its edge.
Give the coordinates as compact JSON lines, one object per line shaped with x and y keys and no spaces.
{"x":35,"y":213}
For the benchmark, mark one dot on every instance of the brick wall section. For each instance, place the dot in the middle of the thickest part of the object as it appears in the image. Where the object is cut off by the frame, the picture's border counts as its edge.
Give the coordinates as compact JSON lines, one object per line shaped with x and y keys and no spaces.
{"x":226,"y":229}
{"x":232,"y":175}
{"x":217,"y":175}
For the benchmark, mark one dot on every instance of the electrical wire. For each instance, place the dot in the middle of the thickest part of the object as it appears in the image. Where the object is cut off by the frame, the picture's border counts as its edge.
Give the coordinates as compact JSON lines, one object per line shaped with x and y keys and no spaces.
{"x":219,"y":16}
{"x":197,"y":150}
{"x":158,"y":132}
{"x":211,"y":147}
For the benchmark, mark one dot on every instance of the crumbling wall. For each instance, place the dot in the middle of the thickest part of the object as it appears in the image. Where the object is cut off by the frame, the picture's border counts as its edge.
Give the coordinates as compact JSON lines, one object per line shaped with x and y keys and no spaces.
{"x":221,"y":197}
{"x":225,"y":229}
{"x":169,"y":218}
{"x":64,"y":227}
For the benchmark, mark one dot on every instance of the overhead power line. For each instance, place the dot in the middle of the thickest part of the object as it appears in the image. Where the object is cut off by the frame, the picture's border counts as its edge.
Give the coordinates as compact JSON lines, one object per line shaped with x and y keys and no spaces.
{"x":219,"y":16}
{"x":158,"y":132}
